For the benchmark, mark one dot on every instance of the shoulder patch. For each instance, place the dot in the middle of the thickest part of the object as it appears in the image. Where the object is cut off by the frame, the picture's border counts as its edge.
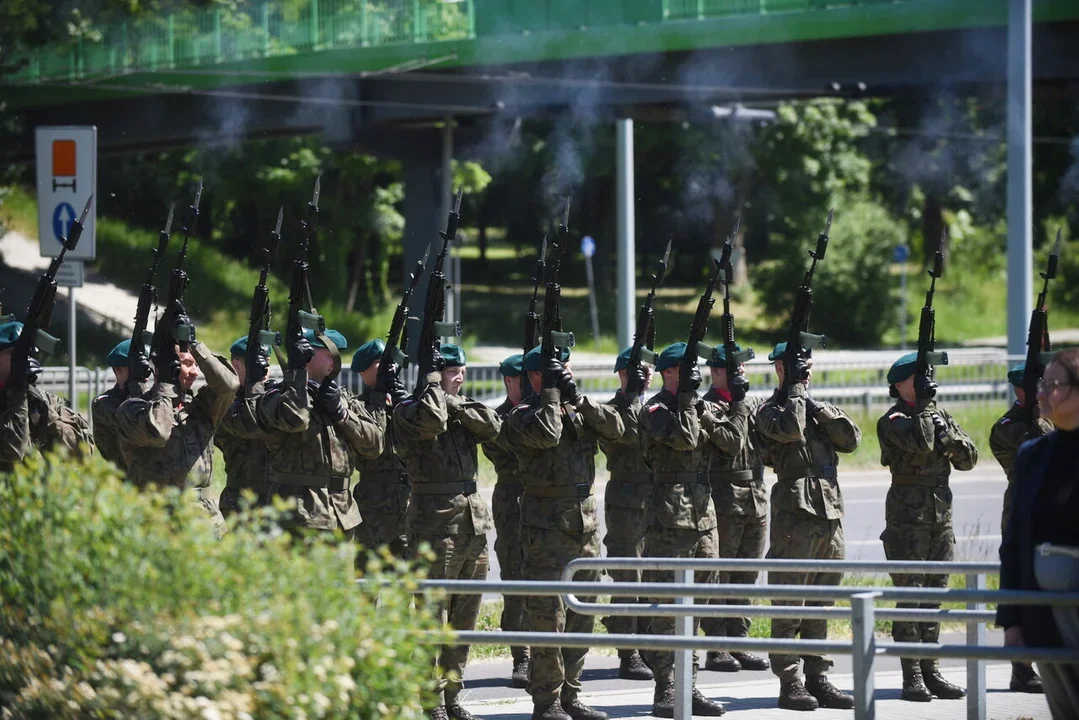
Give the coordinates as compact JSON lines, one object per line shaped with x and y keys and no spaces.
{"x":895,"y":415}
{"x":656,"y":406}
{"x":1005,"y":420}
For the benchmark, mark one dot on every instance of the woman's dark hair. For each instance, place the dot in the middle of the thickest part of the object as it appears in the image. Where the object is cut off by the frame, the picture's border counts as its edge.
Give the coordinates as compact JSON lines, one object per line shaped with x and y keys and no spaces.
{"x":1069,"y":360}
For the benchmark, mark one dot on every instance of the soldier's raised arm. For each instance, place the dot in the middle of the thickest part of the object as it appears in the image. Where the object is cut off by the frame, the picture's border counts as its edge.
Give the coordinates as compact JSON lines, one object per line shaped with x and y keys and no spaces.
{"x":784,"y":421}
{"x":364,"y":427}
{"x":287,"y":407}
{"x":536,"y":423}
{"x":838,"y":427}
{"x":477,"y":418}
{"x":423,"y":418}
{"x":15,"y":425}
{"x":728,"y":431}
{"x":679,"y":429}
{"x":147,"y":421}
{"x":961,"y":450}
{"x":900,"y":433}
{"x":222,"y":383}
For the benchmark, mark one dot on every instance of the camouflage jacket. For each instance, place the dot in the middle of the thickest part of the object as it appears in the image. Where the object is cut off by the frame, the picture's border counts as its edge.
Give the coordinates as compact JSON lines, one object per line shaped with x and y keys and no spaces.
{"x":242,"y":442}
{"x":674,"y":438}
{"x":804,"y":452}
{"x":909,"y":448}
{"x":167,"y":438}
{"x":1011,"y":431}
{"x":303,"y":442}
{"x":387,"y":468}
{"x":15,"y":443}
{"x":103,"y":409}
{"x":53,"y":424}
{"x":437,"y":437}
{"x":502,"y":458}
{"x":734,"y":452}
{"x":630,"y":485}
{"x":555,"y":446}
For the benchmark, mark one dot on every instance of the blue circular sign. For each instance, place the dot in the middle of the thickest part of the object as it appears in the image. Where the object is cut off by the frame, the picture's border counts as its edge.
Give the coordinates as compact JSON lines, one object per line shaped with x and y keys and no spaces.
{"x":62,"y":219}
{"x":900,"y":253}
{"x":588,"y":246}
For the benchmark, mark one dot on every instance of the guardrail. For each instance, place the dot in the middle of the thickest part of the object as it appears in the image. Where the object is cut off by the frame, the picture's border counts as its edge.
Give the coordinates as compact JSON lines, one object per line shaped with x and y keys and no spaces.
{"x":862,"y":612}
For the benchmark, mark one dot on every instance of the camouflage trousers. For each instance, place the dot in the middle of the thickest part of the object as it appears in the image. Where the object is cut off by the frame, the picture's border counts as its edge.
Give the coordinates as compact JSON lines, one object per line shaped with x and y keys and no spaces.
{"x":740,"y":536}
{"x":801,"y":535}
{"x":506,"y":509}
{"x":909,"y":541}
{"x":626,"y":528}
{"x":664,"y":542}
{"x":457,"y":557}
{"x":556,"y":672}
{"x":382,"y":507}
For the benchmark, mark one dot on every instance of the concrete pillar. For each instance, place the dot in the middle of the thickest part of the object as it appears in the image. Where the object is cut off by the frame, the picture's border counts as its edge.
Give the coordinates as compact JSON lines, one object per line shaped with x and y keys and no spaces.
{"x":1020,"y":183}
{"x":626,"y":241}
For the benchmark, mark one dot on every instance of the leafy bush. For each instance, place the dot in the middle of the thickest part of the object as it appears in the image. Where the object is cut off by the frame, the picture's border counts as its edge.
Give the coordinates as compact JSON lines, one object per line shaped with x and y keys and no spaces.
{"x":853,"y":291}
{"x":118,"y":604}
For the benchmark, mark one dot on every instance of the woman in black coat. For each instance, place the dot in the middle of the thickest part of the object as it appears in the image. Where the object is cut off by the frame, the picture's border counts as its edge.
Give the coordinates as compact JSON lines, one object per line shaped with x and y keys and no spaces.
{"x":1046,"y":510}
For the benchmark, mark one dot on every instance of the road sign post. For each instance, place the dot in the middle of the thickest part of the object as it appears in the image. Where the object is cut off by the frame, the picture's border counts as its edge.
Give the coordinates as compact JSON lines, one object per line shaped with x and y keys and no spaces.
{"x":901,"y":254}
{"x":588,"y":249}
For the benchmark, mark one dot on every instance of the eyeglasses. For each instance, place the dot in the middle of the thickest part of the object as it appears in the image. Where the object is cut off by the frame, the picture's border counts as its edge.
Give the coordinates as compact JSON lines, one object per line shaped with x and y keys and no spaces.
{"x":1048,"y":387}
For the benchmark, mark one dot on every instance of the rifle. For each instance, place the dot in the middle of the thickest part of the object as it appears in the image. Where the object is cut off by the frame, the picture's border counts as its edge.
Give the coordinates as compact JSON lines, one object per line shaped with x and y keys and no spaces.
{"x":695,"y":346}
{"x":1039,"y":348}
{"x":259,"y":332}
{"x":398,"y":335}
{"x":927,"y":331}
{"x":300,"y":319}
{"x":644,"y":336}
{"x":735,"y":357}
{"x":434,"y":327}
{"x":799,"y":340}
{"x":532,"y":319}
{"x":140,"y":337}
{"x":165,"y":334}
{"x":553,"y":336}
{"x":35,"y":331}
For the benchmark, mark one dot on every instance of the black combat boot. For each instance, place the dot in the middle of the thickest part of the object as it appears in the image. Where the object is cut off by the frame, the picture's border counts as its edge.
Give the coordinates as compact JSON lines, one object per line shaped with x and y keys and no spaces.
{"x":521,"y":663}
{"x":794,"y":696}
{"x":749,"y":661}
{"x":704,"y":706}
{"x":663,"y":700}
{"x":1025,"y":680}
{"x":550,"y":711}
{"x":456,"y":712}
{"x":827,"y":694}
{"x":936,"y":683}
{"x":914,"y":689}
{"x":721,"y":661}
{"x":579,"y":711}
{"x":438,"y":713}
{"x":632,"y":667}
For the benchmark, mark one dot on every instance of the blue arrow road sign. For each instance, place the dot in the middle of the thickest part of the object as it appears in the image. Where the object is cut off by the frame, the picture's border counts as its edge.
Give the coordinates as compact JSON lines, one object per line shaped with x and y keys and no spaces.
{"x":588,"y":246}
{"x":900,"y":253}
{"x":62,"y":218}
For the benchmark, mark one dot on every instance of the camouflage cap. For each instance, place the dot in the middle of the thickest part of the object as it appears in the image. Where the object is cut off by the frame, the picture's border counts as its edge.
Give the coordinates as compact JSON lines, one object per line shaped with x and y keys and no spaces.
{"x":118,"y":356}
{"x":719,"y":356}
{"x":1017,"y":374}
{"x":366,"y":354}
{"x":239,"y":348}
{"x":671,"y":356}
{"x":454,"y":355}
{"x":9,"y":333}
{"x":335,"y":337}
{"x":902,"y":368}
{"x":533,"y":361}
{"x":513,"y":366}
{"x":780,"y":348}
{"x":622,"y":361}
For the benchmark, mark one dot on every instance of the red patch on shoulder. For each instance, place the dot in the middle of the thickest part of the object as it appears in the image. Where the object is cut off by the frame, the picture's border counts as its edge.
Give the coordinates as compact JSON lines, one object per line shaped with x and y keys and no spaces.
{"x":1005,"y":421}
{"x":655,"y":406}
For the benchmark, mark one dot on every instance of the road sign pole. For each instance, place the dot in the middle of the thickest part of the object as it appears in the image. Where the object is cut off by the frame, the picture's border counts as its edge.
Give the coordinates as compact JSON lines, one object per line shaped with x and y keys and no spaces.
{"x":627,"y":280}
{"x":1020,"y":212}
{"x":592,"y":297}
{"x":903,"y":307}
{"x":71,"y":316}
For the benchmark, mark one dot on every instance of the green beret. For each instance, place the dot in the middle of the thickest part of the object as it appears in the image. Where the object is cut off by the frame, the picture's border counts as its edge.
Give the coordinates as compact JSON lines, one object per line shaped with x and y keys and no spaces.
{"x":671,"y":356}
{"x":117,"y":357}
{"x":1017,"y":374}
{"x":366,"y":354}
{"x":9,"y":333}
{"x":902,"y":368}
{"x":780,"y":348}
{"x":622,"y":361}
{"x":335,"y":337}
{"x":719,"y":356}
{"x":533,"y":361}
{"x":454,"y":355}
{"x":239,"y":348}
{"x":513,"y":366}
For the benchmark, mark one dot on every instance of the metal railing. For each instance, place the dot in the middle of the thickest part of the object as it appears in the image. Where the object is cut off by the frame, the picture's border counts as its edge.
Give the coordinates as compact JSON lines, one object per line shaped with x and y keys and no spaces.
{"x":862,"y":613}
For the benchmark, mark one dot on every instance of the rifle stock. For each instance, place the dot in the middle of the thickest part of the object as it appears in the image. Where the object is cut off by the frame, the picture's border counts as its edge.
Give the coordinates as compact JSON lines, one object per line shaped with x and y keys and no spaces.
{"x":434,"y":326}
{"x":927,"y":326}
{"x":553,"y":335}
{"x":259,"y":332}
{"x":140,"y":337}
{"x":532,"y":318}
{"x":799,"y":340}
{"x":301,"y":315}
{"x":734,"y":356}
{"x":1039,"y":347}
{"x":644,"y":335}
{"x":398,"y":335}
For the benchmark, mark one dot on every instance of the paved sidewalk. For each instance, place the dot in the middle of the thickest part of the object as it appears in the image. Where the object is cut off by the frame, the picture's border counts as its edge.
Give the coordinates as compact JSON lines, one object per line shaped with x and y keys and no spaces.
{"x":756,"y":699}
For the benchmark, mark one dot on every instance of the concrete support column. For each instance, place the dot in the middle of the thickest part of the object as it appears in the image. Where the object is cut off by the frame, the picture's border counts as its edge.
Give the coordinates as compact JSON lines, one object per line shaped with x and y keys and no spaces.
{"x":1020,"y":170}
{"x":626,"y":248}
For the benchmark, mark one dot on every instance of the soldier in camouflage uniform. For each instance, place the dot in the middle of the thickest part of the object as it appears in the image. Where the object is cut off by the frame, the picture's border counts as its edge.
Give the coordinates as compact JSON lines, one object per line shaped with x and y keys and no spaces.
{"x":920,"y":443}
{"x":1008,"y":433}
{"x":625,"y":508}
{"x":241,"y":440}
{"x":437,"y":433}
{"x":382,"y":492}
{"x":103,"y":408}
{"x":554,"y":435}
{"x":506,"y":507}
{"x":314,"y":434}
{"x":803,"y":437}
{"x":741,"y":500}
{"x":676,"y":429}
{"x":166,"y":434}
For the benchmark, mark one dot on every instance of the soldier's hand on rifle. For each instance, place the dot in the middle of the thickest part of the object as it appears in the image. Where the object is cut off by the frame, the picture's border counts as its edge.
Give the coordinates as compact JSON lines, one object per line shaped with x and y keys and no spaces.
{"x":398,"y":392}
{"x":568,"y":388}
{"x":142,"y":370}
{"x":300,"y":352}
{"x":328,"y":400}
{"x":262,"y":367}
{"x":689,"y":376}
{"x":635,"y":381}
{"x":940,"y":428}
{"x":24,"y":372}
{"x":812,"y":406}
{"x":738,"y":386}
{"x":552,"y":374}
{"x":167,"y":364}
{"x":924,"y":387}
{"x":801,"y":370}
{"x":384,"y":379}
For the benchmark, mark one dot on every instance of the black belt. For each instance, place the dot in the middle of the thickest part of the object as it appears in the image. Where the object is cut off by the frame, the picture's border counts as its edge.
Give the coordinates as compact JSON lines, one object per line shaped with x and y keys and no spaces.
{"x":384,"y":478}
{"x":445,"y":488}
{"x":678,"y":478}
{"x":922,"y":480}
{"x":512,"y":483}
{"x":580,"y":490}
{"x":741,"y":478}
{"x":632,"y":477}
{"x":824,"y":472}
{"x":333,"y":483}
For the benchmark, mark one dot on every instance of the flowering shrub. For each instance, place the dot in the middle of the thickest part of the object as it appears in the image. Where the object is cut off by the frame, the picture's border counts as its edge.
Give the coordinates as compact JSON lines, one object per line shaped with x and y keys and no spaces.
{"x":116,"y":603}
